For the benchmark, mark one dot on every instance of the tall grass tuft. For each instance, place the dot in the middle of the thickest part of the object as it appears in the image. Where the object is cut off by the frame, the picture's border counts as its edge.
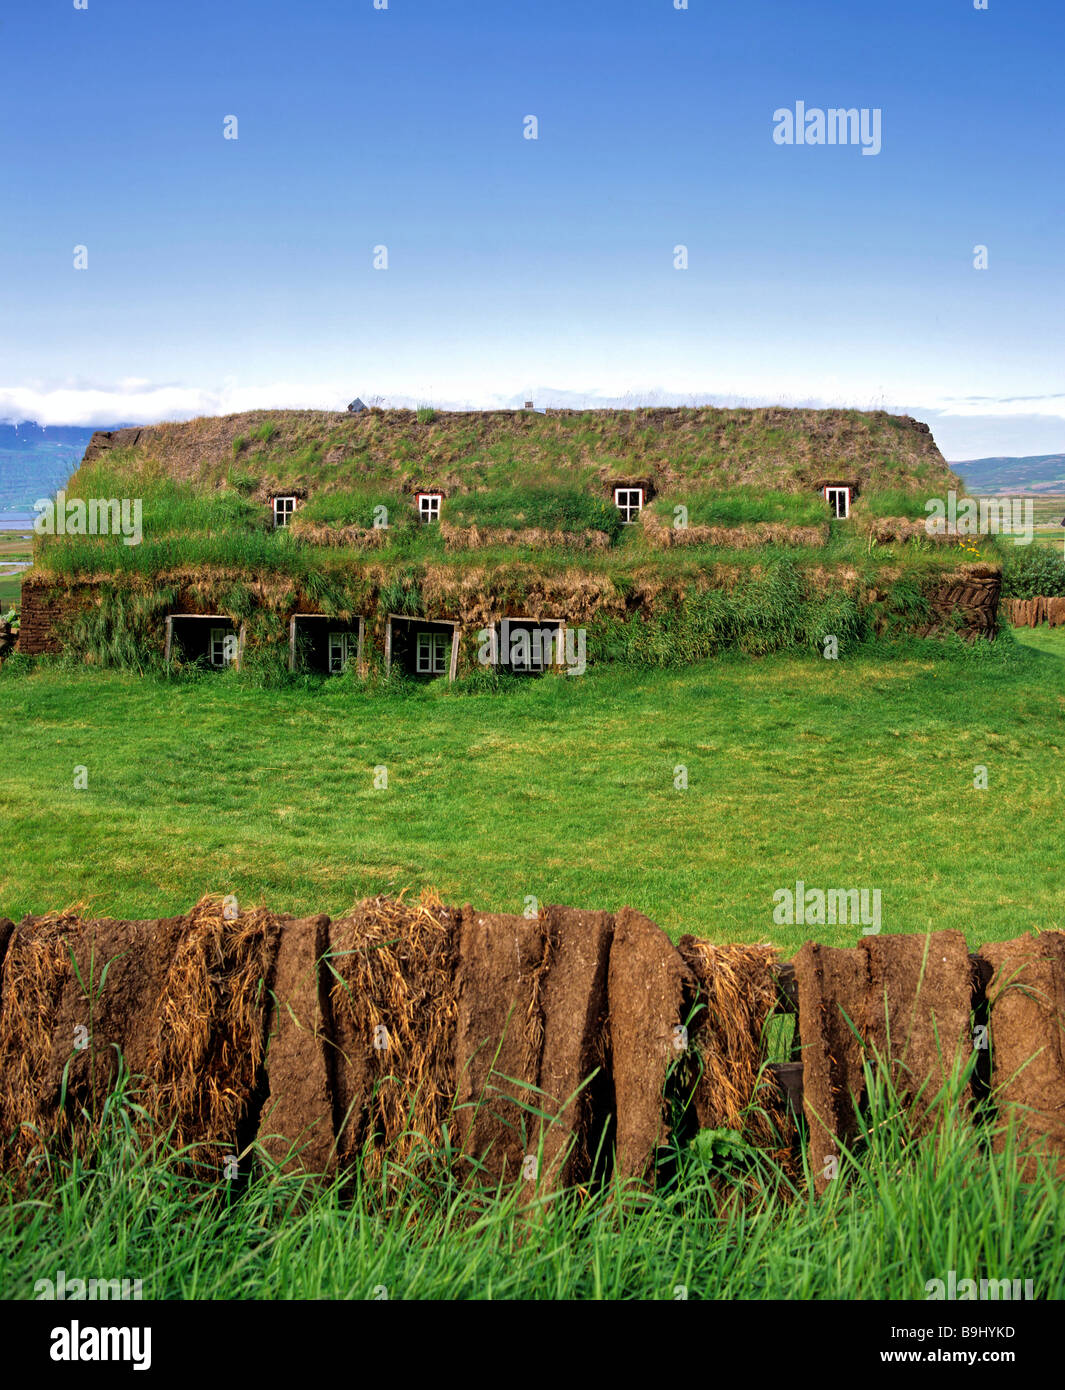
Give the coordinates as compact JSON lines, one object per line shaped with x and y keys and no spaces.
{"x":892,"y":502}
{"x":121,"y":631}
{"x":517,"y":508}
{"x":762,"y":614}
{"x":1032,"y":571}
{"x":738,"y":506}
{"x":904,"y":1210}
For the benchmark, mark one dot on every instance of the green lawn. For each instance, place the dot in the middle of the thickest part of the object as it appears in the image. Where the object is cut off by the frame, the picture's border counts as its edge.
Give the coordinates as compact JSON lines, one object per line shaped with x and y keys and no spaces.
{"x":14,"y":545}
{"x":901,"y":1214}
{"x":857,"y":773}
{"x":1049,"y":510}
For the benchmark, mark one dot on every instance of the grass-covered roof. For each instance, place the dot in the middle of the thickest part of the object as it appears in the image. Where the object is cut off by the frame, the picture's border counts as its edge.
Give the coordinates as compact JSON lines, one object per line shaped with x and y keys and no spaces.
{"x":771,"y":448}
{"x":521,"y":488}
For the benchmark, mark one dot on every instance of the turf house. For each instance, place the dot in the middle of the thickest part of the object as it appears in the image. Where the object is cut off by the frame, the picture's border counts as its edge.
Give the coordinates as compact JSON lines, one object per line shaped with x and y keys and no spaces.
{"x":447,"y":545}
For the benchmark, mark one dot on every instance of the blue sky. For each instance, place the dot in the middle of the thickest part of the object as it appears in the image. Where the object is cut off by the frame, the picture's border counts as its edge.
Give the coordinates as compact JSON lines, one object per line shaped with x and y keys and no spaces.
{"x":225,"y":274}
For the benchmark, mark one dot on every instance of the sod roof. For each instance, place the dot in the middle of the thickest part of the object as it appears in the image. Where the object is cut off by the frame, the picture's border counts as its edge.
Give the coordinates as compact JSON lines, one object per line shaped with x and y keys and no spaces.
{"x":771,"y":448}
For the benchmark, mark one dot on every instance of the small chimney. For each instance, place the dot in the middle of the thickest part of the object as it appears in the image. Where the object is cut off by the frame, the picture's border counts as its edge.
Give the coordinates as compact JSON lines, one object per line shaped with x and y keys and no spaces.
{"x":528,"y":405}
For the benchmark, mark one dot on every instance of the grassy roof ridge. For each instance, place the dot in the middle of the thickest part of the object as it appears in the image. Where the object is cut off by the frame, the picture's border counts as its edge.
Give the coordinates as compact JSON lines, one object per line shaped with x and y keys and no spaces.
{"x":787,"y":448}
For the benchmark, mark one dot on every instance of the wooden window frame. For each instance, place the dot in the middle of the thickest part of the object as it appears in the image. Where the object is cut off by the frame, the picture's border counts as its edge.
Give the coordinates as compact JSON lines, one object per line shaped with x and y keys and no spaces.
{"x":356,"y":631}
{"x":558,"y":625}
{"x":284,"y":512}
{"x":443,"y":622}
{"x":238,"y":630}
{"x":843,"y":488}
{"x":427,"y":515}
{"x":216,"y":634}
{"x":629,"y":514}
{"x":438,"y":645}
{"x":343,"y":640}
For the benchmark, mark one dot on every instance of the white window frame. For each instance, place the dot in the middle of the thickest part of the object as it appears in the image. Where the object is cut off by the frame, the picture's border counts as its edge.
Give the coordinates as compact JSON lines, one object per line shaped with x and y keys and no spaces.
{"x":283,"y":509}
{"x":436,"y":649}
{"x":343,"y":642}
{"x":228,"y":630}
{"x":218,"y":637}
{"x":326,"y":625}
{"x":557,"y":627}
{"x":429,"y":506}
{"x":450,"y":632}
{"x":630,"y":511}
{"x":837,"y":488}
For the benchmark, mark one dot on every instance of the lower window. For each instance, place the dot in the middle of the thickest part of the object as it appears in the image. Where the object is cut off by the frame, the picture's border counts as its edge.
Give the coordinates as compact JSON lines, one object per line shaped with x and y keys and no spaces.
{"x":432,"y":653}
{"x":342,"y":646}
{"x":223,"y":646}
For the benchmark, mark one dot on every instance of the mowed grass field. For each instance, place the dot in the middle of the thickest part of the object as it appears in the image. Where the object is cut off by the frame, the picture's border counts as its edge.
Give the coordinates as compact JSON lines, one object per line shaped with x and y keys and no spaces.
{"x":14,"y":546}
{"x":853,"y":773}
{"x":857,"y":773}
{"x":1048,"y":512}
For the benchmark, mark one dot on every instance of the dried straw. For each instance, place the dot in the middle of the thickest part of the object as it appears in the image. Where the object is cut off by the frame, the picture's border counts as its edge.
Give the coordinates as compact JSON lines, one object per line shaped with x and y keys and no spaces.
{"x":212,"y":1026}
{"x":400,"y":974}
{"x":36,"y":968}
{"x":739,"y":993}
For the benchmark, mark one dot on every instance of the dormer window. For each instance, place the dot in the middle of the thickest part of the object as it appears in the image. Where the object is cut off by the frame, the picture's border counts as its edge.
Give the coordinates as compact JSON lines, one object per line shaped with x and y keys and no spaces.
{"x":223,"y":646}
{"x":839,"y":501}
{"x":629,"y":502}
{"x":429,"y":506}
{"x":283,"y":509}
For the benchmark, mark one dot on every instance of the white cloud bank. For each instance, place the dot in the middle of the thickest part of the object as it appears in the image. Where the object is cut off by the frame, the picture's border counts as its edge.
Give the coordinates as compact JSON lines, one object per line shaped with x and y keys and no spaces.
{"x":136,"y":402}
{"x":964,"y":427}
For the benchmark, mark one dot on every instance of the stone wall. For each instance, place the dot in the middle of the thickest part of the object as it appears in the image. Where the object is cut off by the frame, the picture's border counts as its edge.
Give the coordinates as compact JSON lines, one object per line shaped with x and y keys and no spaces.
{"x":40,"y":611}
{"x":974,"y":595}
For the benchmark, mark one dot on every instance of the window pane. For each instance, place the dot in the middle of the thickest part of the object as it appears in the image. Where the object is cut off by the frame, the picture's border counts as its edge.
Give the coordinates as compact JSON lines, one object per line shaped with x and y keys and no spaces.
{"x":629,"y":501}
{"x":837,"y":500}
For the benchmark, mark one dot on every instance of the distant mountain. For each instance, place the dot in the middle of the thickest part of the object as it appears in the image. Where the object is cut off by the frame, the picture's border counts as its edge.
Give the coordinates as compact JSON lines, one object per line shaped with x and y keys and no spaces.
{"x":35,"y":460}
{"x":1036,"y":473}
